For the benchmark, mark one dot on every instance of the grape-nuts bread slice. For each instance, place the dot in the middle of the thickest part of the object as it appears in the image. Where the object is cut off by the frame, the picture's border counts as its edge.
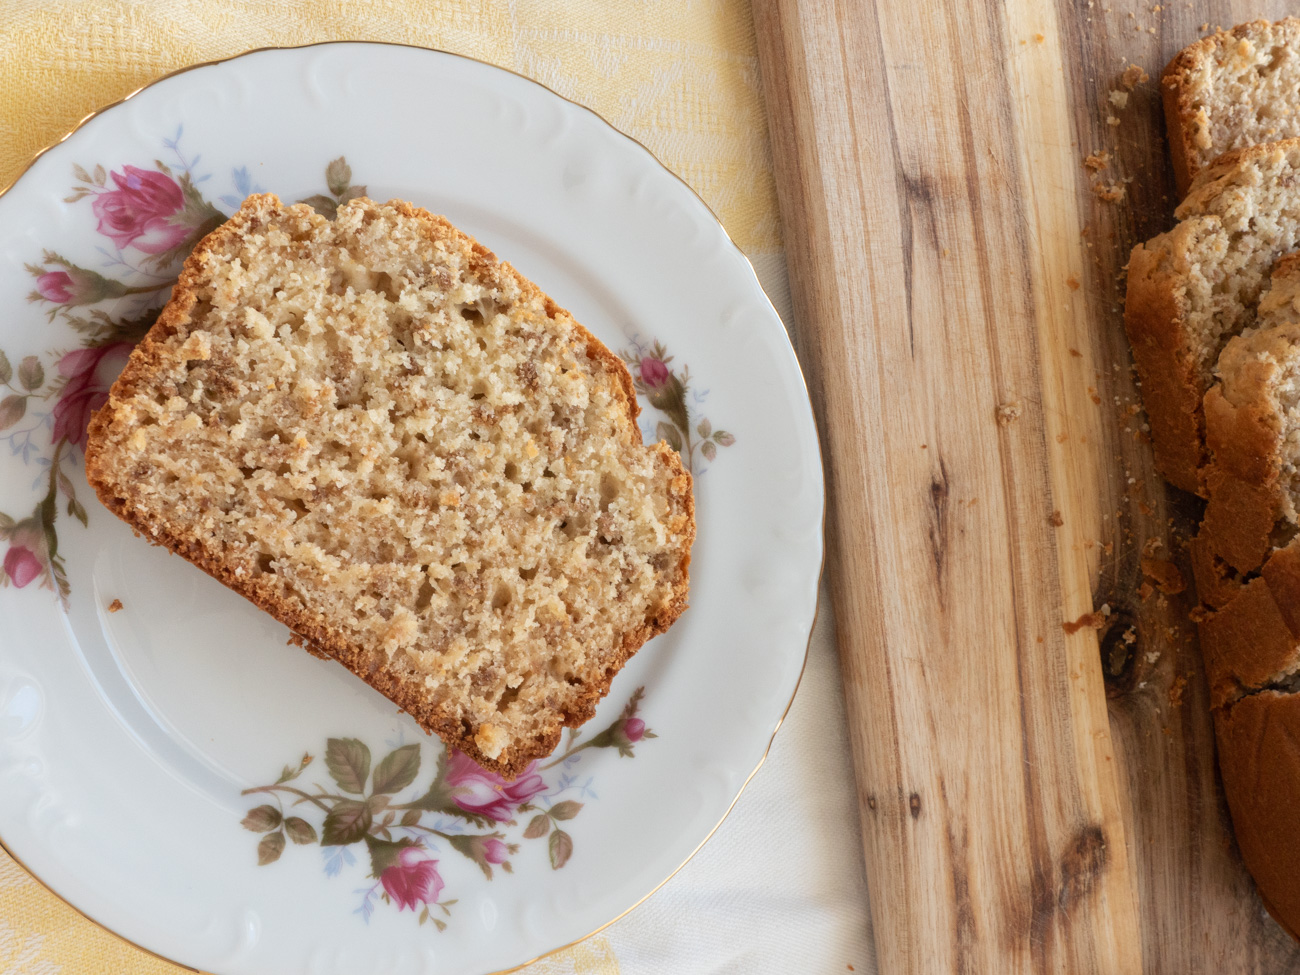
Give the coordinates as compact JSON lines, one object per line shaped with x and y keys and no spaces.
{"x":1232,"y":89}
{"x":1194,"y":287}
{"x":410,"y":456}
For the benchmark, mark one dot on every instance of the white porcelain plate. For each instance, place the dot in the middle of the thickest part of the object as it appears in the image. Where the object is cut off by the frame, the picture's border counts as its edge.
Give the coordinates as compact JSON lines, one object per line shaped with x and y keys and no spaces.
{"x":140,"y":701}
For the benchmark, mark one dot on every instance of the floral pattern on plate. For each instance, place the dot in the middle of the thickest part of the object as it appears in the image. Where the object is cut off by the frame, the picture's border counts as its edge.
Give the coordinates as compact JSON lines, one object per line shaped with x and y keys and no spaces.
{"x":471,"y":811}
{"x":669,"y":391}
{"x":151,"y":219}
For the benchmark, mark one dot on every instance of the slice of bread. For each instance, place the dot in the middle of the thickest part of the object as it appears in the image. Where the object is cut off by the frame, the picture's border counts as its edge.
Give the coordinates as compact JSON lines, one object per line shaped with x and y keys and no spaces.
{"x":1252,"y":427}
{"x":1232,"y":89}
{"x":409,"y":455}
{"x":1193,"y":288}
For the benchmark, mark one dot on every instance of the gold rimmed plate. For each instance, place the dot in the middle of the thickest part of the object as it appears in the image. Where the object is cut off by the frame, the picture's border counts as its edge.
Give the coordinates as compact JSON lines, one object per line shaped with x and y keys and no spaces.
{"x":175,"y":771}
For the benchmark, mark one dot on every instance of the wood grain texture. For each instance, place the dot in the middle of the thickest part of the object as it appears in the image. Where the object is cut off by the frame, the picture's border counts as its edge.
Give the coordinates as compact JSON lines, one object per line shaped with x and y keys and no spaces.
{"x":1031,"y":800}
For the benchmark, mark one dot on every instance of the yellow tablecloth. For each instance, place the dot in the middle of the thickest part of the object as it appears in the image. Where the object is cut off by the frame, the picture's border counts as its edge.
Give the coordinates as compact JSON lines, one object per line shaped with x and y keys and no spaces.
{"x":680,"y":76}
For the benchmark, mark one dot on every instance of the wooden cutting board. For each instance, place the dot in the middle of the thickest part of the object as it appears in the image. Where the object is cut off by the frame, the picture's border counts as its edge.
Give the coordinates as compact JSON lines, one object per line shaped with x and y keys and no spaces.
{"x":1032,"y":799}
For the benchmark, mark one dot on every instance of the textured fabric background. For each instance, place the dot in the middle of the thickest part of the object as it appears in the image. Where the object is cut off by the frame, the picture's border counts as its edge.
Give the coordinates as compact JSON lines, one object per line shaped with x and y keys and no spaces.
{"x":779,"y":888}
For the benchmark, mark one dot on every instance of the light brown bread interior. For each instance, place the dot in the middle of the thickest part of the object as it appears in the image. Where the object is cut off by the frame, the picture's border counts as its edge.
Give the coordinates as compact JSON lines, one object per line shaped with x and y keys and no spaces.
{"x":403,"y":450}
{"x":1229,"y":90}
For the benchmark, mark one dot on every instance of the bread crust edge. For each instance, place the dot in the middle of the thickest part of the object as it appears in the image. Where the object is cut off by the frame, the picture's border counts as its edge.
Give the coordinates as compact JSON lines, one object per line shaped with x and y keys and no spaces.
{"x":1155,"y":321}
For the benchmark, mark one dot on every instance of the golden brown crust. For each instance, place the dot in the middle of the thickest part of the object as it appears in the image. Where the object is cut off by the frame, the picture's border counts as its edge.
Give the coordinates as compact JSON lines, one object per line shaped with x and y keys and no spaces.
{"x":1259,"y":757}
{"x":1176,"y":94}
{"x":371,"y":664}
{"x":1172,"y":390}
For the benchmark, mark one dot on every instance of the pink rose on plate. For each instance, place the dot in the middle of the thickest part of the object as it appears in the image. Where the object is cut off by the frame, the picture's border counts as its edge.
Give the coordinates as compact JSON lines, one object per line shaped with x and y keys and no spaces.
{"x":78,"y":286}
{"x":634,"y":729}
{"x":495,"y":850}
{"x":485,"y":793}
{"x":413,"y":879}
{"x":25,"y":559}
{"x":22,"y":565}
{"x":89,"y":373}
{"x":55,"y":286}
{"x":139,"y":212}
{"x":654,"y":373}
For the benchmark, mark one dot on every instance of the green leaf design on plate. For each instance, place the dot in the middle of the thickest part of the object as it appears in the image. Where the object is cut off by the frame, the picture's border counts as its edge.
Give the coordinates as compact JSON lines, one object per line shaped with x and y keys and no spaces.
{"x":269,"y":850}
{"x":323,"y":205}
{"x":708,"y":450}
{"x":262,"y":819}
{"x":668,"y":432}
{"x":6,"y":370}
{"x":561,"y":848}
{"x":566,"y":810}
{"x":397,"y":770}
{"x":300,"y":831}
{"x":346,"y":823}
{"x":349,"y":763}
{"x":410,"y":817}
{"x":12,"y":409}
{"x":351,"y":193}
{"x":538,"y":827}
{"x":723,"y":438}
{"x":338,"y":175}
{"x":705,"y":428}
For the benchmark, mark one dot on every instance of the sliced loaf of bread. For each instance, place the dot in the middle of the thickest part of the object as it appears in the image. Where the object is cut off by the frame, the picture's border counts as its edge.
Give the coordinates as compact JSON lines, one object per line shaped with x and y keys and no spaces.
{"x":1193,"y":288}
{"x":1229,"y":90}
{"x":413,"y":458}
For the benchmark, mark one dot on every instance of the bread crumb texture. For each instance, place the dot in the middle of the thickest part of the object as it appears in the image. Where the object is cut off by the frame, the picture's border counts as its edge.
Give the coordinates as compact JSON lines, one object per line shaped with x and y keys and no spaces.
{"x":1133,"y":76}
{"x":403,"y":450}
